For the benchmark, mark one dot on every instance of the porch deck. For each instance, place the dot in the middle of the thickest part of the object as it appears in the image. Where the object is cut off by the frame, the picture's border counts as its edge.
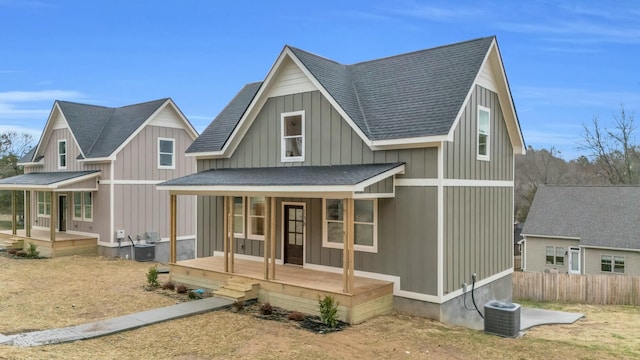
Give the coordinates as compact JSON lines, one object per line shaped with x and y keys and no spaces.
{"x":294,"y":288}
{"x":65,"y":245}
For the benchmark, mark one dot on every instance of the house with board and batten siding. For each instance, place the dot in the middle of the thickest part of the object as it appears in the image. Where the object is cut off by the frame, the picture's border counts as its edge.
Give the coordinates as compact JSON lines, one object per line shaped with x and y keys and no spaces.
{"x":90,"y":181}
{"x":385,"y":184}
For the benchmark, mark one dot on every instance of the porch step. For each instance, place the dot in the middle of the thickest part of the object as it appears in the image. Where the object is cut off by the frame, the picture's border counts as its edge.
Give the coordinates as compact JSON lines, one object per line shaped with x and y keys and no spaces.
{"x":238,"y":289}
{"x":13,"y":243}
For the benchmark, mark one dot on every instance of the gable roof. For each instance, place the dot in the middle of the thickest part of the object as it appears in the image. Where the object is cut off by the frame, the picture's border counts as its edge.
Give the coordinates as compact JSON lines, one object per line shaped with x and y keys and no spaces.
{"x":416,"y":95}
{"x":601,"y":216}
{"x":98,"y":130}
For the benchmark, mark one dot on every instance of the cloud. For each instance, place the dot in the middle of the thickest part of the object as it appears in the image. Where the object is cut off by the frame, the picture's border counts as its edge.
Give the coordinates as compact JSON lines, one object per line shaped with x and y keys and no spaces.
{"x":16,"y":107}
{"x":440,"y":13}
{"x":575,"y":96}
{"x":42,"y":95}
{"x":22,"y":129}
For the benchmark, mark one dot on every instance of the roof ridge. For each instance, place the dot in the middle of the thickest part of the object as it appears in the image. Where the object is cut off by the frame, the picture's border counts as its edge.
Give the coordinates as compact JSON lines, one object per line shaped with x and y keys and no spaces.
{"x":355,"y":91}
{"x":314,"y":54}
{"x":95,"y":140}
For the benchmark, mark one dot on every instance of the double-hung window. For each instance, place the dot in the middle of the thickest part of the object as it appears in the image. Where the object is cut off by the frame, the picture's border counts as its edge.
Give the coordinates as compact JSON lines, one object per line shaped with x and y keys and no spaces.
{"x":44,"y":203}
{"x":292,"y":142}
{"x":256,"y":218}
{"x":613,"y":264}
{"x":82,"y":206}
{"x":238,"y":216}
{"x":166,"y":153}
{"x":62,"y":154}
{"x":555,"y":255}
{"x":484,"y":127}
{"x":365,"y":224}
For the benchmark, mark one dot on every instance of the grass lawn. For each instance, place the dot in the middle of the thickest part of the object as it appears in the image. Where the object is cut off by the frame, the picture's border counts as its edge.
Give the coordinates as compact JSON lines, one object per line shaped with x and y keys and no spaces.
{"x":43,"y":294}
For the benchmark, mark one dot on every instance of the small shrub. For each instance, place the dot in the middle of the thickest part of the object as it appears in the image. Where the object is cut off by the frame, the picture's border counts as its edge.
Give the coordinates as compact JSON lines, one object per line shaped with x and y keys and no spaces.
{"x":296,"y":316}
{"x":32,"y":251}
{"x":328,"y":311}
{"x":169,"y":286}
{"x":238,"y":305}
{"x":193,"y":295}
{"x":181,"y":289}
{"x":266,"y":309}
{"x":152,"y":276}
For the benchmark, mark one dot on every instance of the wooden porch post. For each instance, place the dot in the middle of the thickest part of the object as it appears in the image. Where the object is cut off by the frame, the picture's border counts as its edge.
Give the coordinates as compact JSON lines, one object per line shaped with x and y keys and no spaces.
{"x":173,"y":228}
{"x":232,"y":239}
{"x":27,"y":211}
{"x":347,"y":242}
{"x":273,"y":238}
{"x":14,"y":215}
{"x":53,"y":216}
{"x":267,"y":235}
{"x":225,"y":230}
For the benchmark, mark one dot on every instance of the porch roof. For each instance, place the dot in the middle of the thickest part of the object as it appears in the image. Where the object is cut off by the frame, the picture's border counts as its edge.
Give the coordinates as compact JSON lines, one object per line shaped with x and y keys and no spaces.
{"x":308,"y":181}
{"x":47,"y":180}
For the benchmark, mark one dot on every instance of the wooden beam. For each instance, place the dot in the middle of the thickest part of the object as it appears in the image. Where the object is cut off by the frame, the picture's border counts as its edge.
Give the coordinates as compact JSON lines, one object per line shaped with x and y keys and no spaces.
{"x":350,"y":243}
{"x":232,"y":238}
{"x":14,"y":212}
{"x":172,"y":228}
{"x":53,"y":216}
{"x":345,"y":251}
{"x":267,"y":235}
{"x":225,"y":233}
{"x":273,"y":238}
{"x":27,"y":210}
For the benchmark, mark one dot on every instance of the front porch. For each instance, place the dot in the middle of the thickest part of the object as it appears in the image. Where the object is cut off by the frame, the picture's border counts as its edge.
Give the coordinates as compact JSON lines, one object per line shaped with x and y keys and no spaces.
{"x":65,"y":244}
{"x":292,"y":287}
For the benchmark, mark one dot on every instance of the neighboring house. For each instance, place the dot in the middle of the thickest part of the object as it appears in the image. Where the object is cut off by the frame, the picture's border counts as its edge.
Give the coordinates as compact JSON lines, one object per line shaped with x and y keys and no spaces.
{"x":517,"y":245}
{"x":385,"y":184}
{"x":93,"y":173}
{"x":583,"y":230}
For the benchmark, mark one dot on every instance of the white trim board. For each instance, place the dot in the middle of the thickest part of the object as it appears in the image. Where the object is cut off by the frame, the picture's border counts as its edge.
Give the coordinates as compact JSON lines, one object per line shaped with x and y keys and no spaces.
{"x":452,"y":182}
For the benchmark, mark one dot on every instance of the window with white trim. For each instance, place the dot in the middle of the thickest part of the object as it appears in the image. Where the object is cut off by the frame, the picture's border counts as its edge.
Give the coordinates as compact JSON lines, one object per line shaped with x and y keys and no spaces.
{"x":484,"y":127}
{"x":238,"y":216}
{"x":256,"y":218}
{"x":612,"y":264}
{"x":365,"y":224}
{"x":292,"y":142}
{"x":166,"y":153}
{"x":62,"y":154}
{"x":44,"y":203}
{"x":555,"y":255}
{"x":83,"y":206}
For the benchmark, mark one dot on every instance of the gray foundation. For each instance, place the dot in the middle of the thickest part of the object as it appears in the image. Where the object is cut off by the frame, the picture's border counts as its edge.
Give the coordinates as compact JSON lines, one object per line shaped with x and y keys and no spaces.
{"x":185,"y":250}
{"x":453,"y":311}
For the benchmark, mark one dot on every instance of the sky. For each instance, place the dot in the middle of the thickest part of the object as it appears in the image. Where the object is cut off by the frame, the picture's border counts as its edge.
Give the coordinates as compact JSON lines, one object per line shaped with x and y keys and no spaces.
{"x":566,"y":61}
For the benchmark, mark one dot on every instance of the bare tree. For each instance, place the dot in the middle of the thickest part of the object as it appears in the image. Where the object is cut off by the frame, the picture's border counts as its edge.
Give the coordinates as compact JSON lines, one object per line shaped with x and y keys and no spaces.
{"x":613,"y":151}
{"x":14,"y":143}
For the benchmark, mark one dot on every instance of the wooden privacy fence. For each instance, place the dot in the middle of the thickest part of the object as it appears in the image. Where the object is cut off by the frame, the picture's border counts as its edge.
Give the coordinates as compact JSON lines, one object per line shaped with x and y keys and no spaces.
{"x":582,"y":289}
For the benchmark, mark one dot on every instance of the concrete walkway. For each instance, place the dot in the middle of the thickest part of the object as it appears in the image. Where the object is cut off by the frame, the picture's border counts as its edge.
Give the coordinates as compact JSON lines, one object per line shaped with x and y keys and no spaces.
{"x":110,"y":326}
{"x":530,"y":317}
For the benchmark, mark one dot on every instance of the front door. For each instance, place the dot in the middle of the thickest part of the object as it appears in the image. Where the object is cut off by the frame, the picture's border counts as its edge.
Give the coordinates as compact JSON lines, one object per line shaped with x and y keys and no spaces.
{"x":293,"y":234}
{"x":574,"y":260}
{"x":62,"y":213}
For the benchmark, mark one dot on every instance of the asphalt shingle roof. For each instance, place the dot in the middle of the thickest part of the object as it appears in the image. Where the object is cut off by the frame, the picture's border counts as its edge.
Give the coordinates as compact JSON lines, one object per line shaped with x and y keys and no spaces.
{"x":284,"y":176}
{"x":605,"y":216}
{"x":404,"y":96}
{"x":44,"y":178}
{"x":100,"y":130}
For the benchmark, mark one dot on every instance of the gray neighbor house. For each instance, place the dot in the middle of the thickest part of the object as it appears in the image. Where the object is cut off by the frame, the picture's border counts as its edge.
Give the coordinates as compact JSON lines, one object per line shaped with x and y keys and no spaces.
{"x":90,"y":181}
{"x":385,"y":184}
{"x":583,"y":230}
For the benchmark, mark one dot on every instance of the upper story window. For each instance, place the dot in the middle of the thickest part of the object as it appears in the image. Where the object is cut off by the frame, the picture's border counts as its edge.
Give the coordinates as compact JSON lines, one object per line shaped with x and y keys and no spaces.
{"x":292,"y":145}
{"x":484,"y":126}
{"x":62,"y":154}
{"x":166,"y":154}
{"x":365,"y":224}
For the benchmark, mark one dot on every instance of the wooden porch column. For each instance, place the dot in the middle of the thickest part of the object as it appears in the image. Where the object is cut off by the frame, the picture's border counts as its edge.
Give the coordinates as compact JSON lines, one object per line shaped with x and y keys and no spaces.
{"x":267,"y":235}
{"x":351,"y":240}
{"x":225,"y":229}
{"x":27,"y":213}
{"x":14,"y":213}
{"x":53,"y":216}
{"x":347,"y":241}
{"x":273,"y":238}
{"x":173,"y":222}
{"x":232,"y":239}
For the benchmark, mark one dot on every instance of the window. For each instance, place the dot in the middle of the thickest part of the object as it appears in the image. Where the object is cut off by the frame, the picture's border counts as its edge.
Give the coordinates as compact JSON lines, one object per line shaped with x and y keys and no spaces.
{"x":82,"y":206}
{"x":256,"y":218}
{"x":166,"y":152}
{"x":238,"y":216}
{"x":554,"y":255}
{"x":364,"y":224}
{"x":62,"y":154}
{"x":613,"y":264}
{"x":483,"y":133}
{"x":44,"y":203}
{"x":292,"y":145}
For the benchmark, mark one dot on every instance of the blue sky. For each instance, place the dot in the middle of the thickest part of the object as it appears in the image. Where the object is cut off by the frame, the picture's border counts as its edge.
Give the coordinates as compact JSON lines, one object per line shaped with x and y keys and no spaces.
{"x":566,"y":61}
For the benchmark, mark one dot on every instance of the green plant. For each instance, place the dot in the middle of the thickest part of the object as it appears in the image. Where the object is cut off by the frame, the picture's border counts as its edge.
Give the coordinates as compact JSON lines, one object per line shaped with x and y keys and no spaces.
{"x":328,"y":311}
{"x":32,"y":251}
{"x":152,"y":276}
